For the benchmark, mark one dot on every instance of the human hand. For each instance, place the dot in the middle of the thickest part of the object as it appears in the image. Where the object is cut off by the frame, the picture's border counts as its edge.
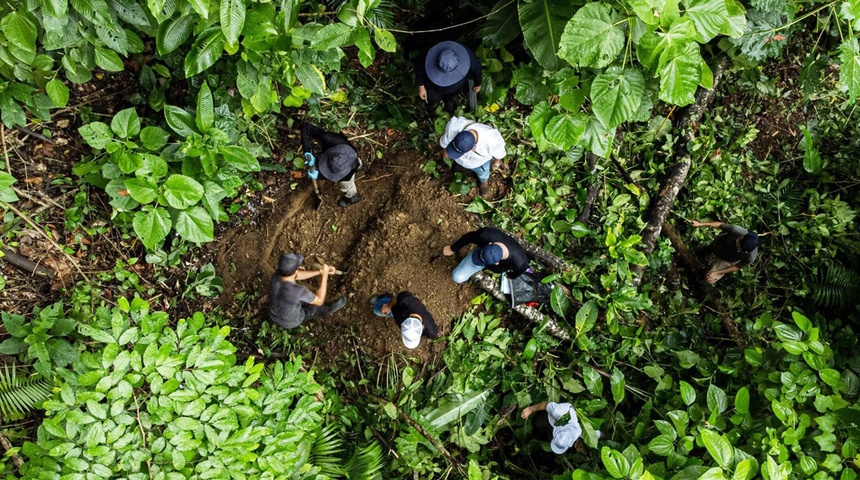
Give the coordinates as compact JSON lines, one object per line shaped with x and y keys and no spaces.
{"x":314,"y":174}
{"x":712,"y":277}
{"x":310,"y":159}
{"x":422,"y":93}
{"x":695,"y":223}
{"x":476,"y":88}
{"x":332,"y":269}
{"x":527,"y":412}
{"x":447,"y":251}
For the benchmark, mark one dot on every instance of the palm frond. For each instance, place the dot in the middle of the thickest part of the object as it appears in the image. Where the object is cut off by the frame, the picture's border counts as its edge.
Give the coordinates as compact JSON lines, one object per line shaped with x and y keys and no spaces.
{"x":20,"y":394}
{"x":836,"y":286}
{"x":326,"y":451}
{"x":366,"y":463}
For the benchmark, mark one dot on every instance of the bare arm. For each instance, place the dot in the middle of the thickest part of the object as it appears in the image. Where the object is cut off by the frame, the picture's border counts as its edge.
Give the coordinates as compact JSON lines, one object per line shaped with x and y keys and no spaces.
{"x":528,"y":411}
{"x":717,"y":224}
{"x":712,"y":277}
{"x":306,"y":274}
{"x":321,"y":292}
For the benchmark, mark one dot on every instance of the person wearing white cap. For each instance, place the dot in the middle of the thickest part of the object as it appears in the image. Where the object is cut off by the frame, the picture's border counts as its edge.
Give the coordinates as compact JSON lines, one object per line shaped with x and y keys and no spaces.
{"x":566,"y":429}
{"x":410,"y":314}
{"x":442,"y":72}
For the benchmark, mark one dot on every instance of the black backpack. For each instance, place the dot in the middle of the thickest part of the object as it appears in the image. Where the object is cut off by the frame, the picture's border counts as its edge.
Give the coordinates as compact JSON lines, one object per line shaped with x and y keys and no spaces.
{"x":528,"y":289}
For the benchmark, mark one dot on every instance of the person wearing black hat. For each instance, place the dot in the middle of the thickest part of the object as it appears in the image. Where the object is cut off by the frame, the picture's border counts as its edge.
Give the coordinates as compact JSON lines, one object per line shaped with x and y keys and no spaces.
{"x":291,"y":304}
{"x":442,"y":73}
{"x":734,"y":249}
{"x":474,"y":146}
{"x":496,"y":251}
{"x":338,"y":162}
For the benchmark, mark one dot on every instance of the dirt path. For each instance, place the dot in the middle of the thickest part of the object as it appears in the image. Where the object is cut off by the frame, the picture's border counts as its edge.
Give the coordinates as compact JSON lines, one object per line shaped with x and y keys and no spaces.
{"x":386,"y":242}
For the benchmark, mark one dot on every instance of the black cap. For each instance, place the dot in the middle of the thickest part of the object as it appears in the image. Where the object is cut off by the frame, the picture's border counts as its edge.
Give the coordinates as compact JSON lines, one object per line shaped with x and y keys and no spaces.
{"x":289,"y":263}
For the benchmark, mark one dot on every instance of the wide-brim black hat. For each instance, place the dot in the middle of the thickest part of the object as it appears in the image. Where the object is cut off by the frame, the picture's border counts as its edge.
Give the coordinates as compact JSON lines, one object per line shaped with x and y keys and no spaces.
{"x":437,"y":74}
{"x":337,"y":162}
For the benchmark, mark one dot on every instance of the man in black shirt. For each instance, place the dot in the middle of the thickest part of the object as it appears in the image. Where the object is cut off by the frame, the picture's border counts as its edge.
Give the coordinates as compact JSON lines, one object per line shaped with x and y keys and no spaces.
{"x":735,"y":248}
{"x":291,"y":304}
{"x":442,"y":71}
{"x":338,"y":162}
{"x":410,"y":314}
{"x":496,"y":251}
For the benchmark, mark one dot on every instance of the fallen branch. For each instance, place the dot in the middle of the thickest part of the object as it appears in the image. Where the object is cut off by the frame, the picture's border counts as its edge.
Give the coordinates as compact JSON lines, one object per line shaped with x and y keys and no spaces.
{"x":676,"y":179}
{"x":489,"y":284}
{"x":26,"y":264}
{"x":539,"y":253}
{"x":412,"y":423}
{"x":8,"y":446}
{"x":590,"y":193}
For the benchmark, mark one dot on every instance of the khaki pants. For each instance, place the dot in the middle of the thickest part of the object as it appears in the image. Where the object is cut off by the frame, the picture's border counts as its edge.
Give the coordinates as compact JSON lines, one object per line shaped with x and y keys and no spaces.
{"x":720,"y":265}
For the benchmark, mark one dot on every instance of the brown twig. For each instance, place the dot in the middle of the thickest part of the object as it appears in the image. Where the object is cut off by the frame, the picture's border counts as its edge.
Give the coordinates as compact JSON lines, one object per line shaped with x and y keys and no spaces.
{"x":26,"y":264}
{"x":53,"y":242}
{"x":8,"y":446}
{"x":36,"y":135}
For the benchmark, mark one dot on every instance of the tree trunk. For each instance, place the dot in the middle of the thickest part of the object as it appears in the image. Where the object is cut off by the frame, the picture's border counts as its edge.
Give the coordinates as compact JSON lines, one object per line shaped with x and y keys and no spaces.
{"x":676,"y":179}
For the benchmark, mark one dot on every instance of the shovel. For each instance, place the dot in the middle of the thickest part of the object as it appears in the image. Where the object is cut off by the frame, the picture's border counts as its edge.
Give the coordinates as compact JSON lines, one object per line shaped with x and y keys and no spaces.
{"x":317,"y":197}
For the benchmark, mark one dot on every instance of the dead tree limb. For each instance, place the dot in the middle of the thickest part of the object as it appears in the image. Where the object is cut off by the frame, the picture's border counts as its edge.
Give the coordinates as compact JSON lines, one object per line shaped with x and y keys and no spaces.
{"x":26,"y":264}
{"x":547,"y":258}
{"x":676,"y":179}
{"x":412,"y":423}
{"x":591,"y":192}
{"x":490,"y":285}
{"x":18,"y":461}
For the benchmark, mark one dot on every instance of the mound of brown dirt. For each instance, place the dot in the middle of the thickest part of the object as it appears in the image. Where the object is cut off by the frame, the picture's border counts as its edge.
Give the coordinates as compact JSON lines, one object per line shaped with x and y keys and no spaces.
{"x":388,"y":242}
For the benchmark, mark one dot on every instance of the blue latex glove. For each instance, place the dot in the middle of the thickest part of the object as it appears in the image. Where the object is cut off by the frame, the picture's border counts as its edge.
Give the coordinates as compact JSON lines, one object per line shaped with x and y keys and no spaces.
{"x":310,"y":159}
{"x":314,"y":174}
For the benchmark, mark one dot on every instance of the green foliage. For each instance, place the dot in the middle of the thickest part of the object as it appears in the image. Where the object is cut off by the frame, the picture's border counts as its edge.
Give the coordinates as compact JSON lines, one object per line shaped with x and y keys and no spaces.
{"x":41,"y":341}
{"x":835,"y":286}
{"x":19,"y":394}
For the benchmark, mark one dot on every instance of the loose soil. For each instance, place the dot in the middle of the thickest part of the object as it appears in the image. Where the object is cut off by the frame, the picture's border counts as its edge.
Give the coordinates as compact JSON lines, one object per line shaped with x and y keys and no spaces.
{"x":390,"y":241}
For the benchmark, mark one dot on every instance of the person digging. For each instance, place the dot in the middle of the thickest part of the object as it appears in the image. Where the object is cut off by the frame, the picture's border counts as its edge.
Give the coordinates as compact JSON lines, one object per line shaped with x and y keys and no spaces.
{"x":566,"y":429}
{"x":338,"y":162}
{"x":292,"y":304}
{"x":496,"y":251}
{"x":733,"y":249}
{"x":410,"y":314}
{"x":442,"y":73}
{"x":474,"y":146}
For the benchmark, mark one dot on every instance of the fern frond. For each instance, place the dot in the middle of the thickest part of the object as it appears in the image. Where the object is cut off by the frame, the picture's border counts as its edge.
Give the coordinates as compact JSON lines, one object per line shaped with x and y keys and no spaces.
{"x":366,"y":463}
{"x":19,"y":395}
{"x":326,"y":451}
{"x":835,"y":286}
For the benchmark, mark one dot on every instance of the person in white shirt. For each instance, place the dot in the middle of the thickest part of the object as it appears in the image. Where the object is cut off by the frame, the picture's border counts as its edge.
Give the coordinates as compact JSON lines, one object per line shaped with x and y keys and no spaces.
{"x":475,"y":146}
{"x":566,"y":429}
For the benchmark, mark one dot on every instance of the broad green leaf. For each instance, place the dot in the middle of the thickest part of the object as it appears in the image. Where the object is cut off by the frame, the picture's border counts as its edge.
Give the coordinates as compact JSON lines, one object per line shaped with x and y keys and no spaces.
{"x":6,"y":181}
{"x":20,"y":32}
{"x":57,"y":8}
{"x":96,"y":134}
{"x":597,"y":138}
{"x":181,"y":191}
{"x":559,"y":301}
{"x":205,"y":51}
{"x":141,"y":189}
{"x":530,"y":350}
{"x":713,"y":473}
{"x":614,"y":462}
{"x":744,"y":470}
{"x":688,"y":394}
{"x":564,"y":130}
{"x":799,"y":319}
{"x":616,"y":95}
{"x":194,"y":225}
{"x":736,"y":24}
{"x":592,"y":38}
{"x":154,"y":138}
{"x":132,"y":13}
{"x":710,"y":16}
{"x":717,"y":400}
{"x":108,"y":60}
{"x":173,"y":33}
{"x":126,"y":161}
{"x":205,"y":108}
{"x":543,"y":22}
{"x":541,"y":113}
{"x":311,"y":77}
{"x":679,"y":76}
{"x":179,"y":120}
{"x":212,"y":201}
{"x":385,"y":39}
{"x":742,"y":401}
{"x":616,"y":384}
{"x":849,"y":67}
{"x":718,"y":447}
{"x":366,"y":52}
{"x":655,"y":48}
{"x":648,"y":11}
{"x":830,"y":376}
{"x":58,"y":92}
{"x":586,"y":317}
{"x":332,"y":35}
{"x":232,"y":19}
{"x":151,"y":224}
{"x":201,"y":7}
{"x":454,"y":410}
{"x":240,"y":159}
{"x":114,"y":37}
{"x":662,"y":445}
{"x":152,"y":166}
{"x":502,"y":25}
{"x":126,"y":123}
{"x":95,"y":11}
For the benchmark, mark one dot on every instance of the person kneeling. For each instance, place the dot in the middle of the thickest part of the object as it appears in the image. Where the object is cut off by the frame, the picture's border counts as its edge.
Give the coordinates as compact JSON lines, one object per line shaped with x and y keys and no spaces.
{"x":410,"y":314}
{"x":291,"y":304}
